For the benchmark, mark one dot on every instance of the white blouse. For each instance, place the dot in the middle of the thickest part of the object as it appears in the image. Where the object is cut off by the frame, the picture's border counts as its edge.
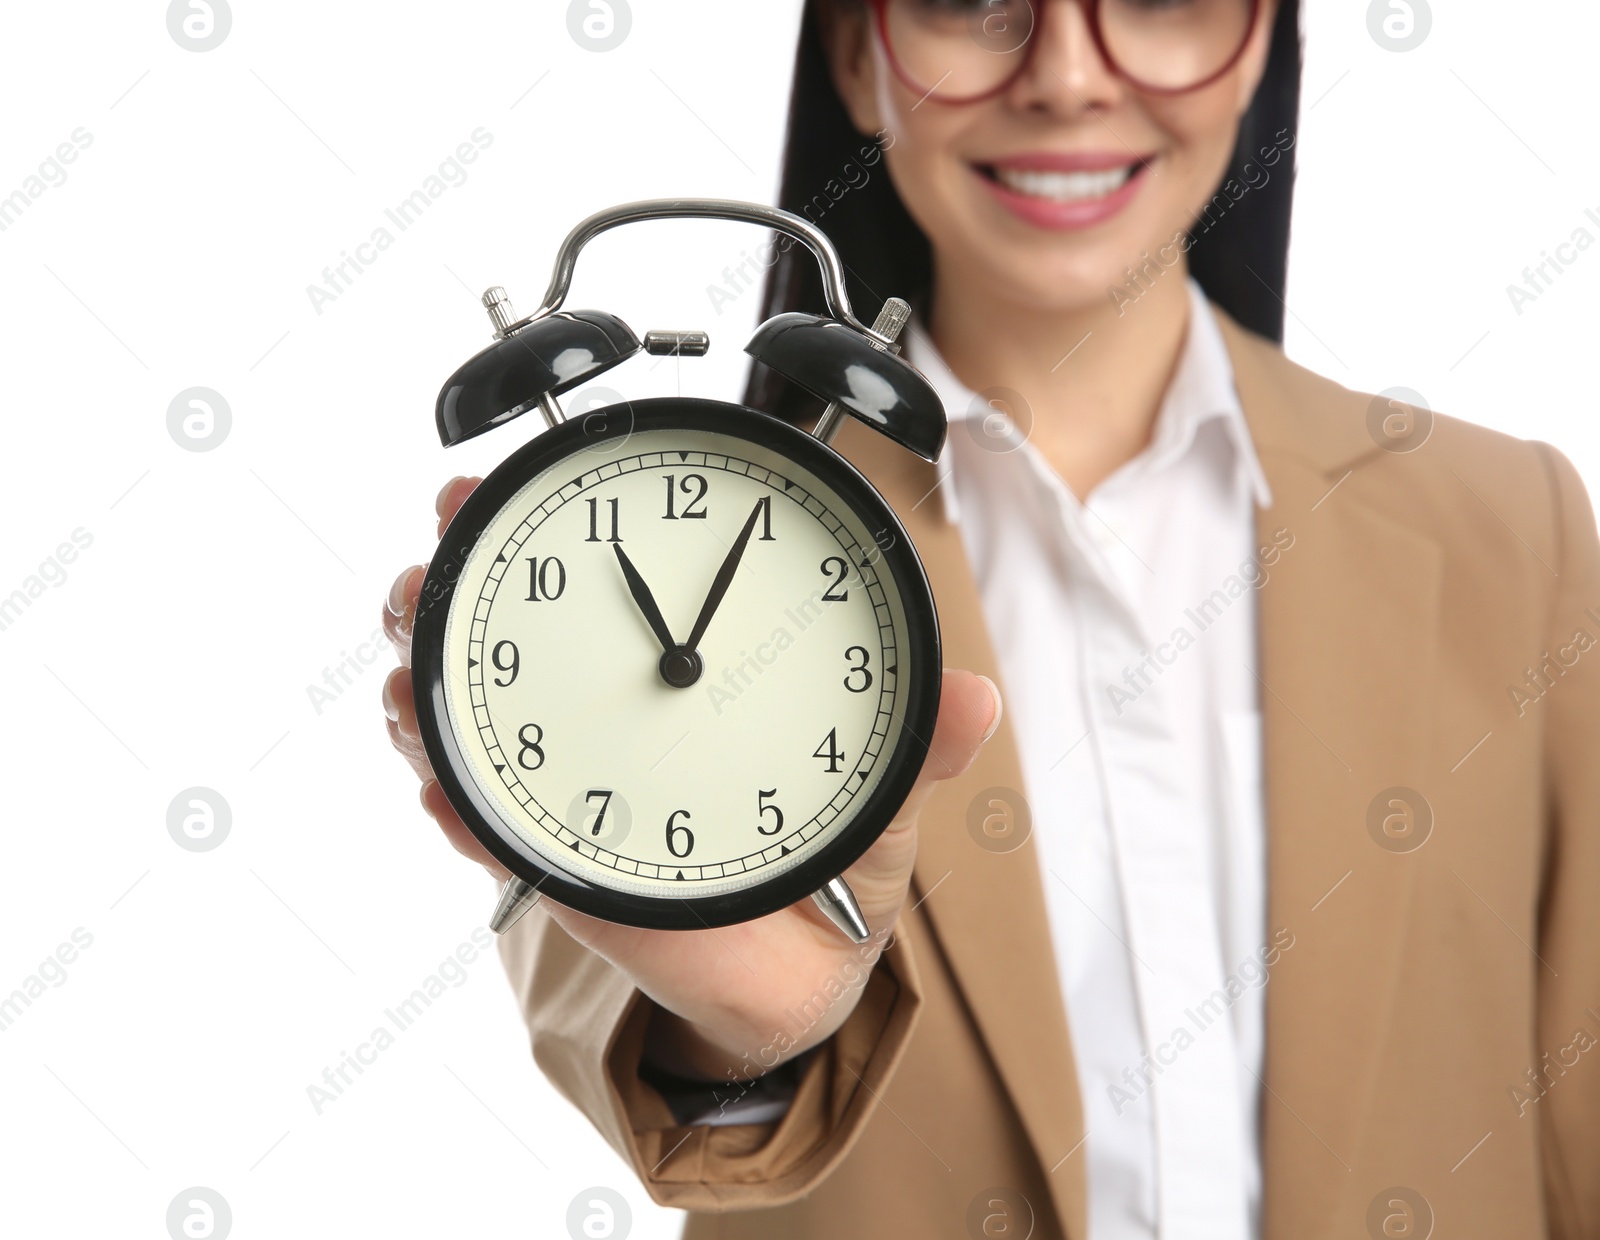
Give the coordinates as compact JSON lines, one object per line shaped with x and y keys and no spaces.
{"x":1125,"y":626}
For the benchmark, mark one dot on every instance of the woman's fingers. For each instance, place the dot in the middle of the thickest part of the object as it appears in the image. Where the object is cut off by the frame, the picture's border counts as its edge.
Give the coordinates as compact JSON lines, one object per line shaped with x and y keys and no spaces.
{"x":401,"y":710}
{"x":451,"y":496}
{"x":464,"y":842}
{"x":400,"y":610}
{"x":402,"y":720}
{"x":399,"y":705}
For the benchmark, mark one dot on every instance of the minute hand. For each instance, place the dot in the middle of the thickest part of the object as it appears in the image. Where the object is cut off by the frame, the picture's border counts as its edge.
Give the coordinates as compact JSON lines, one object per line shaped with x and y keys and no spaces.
{"x":724,"y":579}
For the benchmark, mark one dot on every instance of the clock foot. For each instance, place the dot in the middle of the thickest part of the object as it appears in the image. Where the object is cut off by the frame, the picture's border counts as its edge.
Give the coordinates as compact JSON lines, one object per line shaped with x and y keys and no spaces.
{"x":839,"y":903}
{"x":516,"y":898}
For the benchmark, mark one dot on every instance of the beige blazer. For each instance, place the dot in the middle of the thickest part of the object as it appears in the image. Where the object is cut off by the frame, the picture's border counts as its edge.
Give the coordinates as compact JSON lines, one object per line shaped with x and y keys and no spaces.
{"x":1433,"y":1033}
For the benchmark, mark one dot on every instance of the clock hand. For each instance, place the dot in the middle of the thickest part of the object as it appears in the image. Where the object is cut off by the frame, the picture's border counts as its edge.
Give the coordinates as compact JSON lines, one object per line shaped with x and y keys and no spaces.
{"x":643,"y":597}
{"x":724,"y":579}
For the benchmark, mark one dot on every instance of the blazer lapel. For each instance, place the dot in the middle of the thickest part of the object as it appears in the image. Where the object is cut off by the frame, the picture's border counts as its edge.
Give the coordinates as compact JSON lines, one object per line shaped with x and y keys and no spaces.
{"x":986,"y":908}
{"x":1347,"y":665}
{"x":1346,"y":673}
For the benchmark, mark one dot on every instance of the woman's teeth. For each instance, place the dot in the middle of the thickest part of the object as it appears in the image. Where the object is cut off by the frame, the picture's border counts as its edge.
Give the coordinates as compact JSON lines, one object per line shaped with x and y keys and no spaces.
{"x":1063,"y":186}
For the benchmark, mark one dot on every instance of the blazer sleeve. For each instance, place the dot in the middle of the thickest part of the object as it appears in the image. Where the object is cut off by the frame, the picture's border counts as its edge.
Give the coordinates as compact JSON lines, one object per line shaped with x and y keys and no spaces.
{"x":586,"y":1024}
{"x":1569,"y":917}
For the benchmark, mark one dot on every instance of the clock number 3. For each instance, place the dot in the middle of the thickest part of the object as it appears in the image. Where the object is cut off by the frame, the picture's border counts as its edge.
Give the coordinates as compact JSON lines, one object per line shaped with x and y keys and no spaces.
{"x":866,"y":676}
{"x":676,"y":833}
{"x":530,"y":746}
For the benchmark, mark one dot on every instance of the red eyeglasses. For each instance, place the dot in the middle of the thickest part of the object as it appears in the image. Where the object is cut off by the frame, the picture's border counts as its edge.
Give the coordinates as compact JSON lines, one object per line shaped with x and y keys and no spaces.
{"x":960,"y":51}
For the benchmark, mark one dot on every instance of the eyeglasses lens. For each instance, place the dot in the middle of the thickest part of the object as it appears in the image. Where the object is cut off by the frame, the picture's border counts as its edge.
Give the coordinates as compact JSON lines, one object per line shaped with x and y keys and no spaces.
{"x":961,"y":49}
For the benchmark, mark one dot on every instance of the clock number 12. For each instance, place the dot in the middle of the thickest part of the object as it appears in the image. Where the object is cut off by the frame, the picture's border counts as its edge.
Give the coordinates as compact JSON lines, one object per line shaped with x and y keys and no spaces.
{"x":690,"y":482}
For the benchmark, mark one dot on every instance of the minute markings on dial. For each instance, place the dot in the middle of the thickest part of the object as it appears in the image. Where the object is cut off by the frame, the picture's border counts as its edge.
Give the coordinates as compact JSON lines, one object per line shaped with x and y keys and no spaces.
{"x":855,"y":772}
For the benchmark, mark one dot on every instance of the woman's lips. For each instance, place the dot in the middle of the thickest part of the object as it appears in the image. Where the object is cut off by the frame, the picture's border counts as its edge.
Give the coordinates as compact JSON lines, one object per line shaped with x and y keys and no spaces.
{"x":1064,"y":191}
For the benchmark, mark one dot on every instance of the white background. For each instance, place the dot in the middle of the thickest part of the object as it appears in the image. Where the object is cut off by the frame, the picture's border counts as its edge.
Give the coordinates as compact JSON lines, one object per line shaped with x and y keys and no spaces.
{"x":220,"y":585}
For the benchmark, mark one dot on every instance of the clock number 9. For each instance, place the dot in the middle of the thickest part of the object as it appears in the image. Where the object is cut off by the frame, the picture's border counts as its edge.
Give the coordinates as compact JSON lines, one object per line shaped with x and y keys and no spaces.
{"x":530,"y":746}
{"x":762,"y":808}
{"x":675,"y":832}
{"x":512,"y":667}
{"x":866,"y":676}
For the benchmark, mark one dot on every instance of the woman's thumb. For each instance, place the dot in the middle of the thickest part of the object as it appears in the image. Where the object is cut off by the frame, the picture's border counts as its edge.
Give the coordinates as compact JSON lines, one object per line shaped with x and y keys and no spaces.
{"x":969,"y":713}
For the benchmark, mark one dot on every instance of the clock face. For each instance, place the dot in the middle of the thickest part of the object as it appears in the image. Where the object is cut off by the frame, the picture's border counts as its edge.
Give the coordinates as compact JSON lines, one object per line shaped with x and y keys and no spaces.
{"x":610,"y":751}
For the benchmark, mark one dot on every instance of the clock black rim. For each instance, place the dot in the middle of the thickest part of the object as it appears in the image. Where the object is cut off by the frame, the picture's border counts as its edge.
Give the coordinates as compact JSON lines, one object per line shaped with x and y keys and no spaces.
{"x":922,"y":684}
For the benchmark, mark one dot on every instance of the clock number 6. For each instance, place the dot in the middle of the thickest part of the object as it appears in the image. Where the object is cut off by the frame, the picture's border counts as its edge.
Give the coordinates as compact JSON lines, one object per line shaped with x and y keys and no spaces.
{"x":762,"y":808}
{"x":530,"y":746}
{"x":675,"y":832}
{"x":866,"y":676}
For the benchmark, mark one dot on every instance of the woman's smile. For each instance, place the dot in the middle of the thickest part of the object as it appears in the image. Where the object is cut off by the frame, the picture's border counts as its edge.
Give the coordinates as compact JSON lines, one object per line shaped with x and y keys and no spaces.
{"x":1064,"y":189}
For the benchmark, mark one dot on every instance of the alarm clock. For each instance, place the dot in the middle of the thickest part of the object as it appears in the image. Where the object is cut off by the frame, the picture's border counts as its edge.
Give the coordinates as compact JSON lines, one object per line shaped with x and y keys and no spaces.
{"x":676,"y":662}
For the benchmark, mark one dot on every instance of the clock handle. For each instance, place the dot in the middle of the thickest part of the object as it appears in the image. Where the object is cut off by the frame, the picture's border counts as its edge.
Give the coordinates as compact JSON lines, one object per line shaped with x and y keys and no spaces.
{"x":839,"y":903}
{"x":796,"y":226}
{"x":516,"y":898}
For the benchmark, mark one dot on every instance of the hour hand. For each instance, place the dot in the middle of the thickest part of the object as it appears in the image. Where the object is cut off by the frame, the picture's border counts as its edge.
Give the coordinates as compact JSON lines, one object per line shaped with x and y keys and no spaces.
{"x":645,"y":600}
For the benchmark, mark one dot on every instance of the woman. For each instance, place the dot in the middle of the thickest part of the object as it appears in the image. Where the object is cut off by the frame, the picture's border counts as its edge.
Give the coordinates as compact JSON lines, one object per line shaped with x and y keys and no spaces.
{"x":1294,"y":683}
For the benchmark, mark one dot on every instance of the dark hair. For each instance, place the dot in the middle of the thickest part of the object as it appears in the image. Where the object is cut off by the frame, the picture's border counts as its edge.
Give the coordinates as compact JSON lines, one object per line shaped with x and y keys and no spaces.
{"x":1240,"y":258}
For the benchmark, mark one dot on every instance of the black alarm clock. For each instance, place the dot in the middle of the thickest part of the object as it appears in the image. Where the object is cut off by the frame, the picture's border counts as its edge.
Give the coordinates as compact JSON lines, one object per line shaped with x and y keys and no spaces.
{"x":676,"y":662}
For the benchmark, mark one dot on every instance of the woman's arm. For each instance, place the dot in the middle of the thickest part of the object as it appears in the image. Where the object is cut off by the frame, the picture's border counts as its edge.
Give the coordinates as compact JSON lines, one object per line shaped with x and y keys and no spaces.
{"x":1569,"y":921}
{"x":725,"y":1001}
{"x":587,"y":1025}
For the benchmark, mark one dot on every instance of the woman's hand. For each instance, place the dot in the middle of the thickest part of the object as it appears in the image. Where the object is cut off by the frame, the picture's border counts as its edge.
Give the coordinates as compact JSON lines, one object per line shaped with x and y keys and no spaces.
{"x":727,"y":994}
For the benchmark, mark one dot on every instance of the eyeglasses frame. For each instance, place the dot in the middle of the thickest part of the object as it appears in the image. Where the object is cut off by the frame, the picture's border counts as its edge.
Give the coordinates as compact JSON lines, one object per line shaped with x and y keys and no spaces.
{"x":1091,"y":16}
